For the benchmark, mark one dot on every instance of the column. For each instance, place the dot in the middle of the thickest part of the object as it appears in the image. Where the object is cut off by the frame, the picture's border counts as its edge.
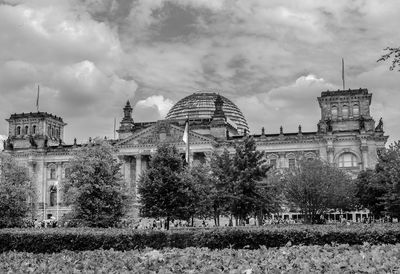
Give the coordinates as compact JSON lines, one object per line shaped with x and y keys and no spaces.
{"x":138,"y":173}
{"x":281,"y":160}
{"x":127,"y":171}
{"x":364,"y":151}
{"x":330,"y":151}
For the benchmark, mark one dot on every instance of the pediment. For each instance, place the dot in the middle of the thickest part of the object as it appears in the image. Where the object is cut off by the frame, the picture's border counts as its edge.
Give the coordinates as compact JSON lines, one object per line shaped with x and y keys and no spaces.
{"x":163,"y":132}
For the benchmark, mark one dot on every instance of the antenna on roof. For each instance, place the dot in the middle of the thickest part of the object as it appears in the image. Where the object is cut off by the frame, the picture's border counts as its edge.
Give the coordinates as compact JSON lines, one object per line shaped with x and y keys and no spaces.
{"x":343,"y":73}
{"x":115,"y":121}
{"x":37,"y":99}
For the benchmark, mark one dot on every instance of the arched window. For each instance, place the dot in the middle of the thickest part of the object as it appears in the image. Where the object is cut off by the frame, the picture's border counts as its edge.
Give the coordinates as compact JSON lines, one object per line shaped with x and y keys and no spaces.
{"x":53,"y":196}
{"x":334,"y":112}
{"x":345,"y":112}
{"x":34,"y":129}
{"x":53,"y":173}
{"x":356,"y":110}
{"x":273,"y":162}
{"x":26,"y":130}
{"x":348,"y":160}
{"x":292,"y":163}
{"x":18,"y":130}
{"x":57,"y":133}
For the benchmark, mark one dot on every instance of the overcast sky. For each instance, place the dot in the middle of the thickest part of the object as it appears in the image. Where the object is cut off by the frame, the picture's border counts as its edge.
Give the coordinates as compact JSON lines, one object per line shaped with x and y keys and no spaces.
{"x":272,"y":58}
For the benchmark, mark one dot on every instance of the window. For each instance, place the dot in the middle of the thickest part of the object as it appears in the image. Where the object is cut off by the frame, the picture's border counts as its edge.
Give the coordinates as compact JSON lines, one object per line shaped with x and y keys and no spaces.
{"x":334,"y":112}
{"x":292,"y":163}
{"x":347,"y":160}
{"x":52,"y":173}
{"x":272,"y":162}
{"x":67,"y":172}
{"x":49,"y":130}
{"x":57,"y":133}
{"x":26,"y":130}
{"x":18,"y":130}
{"x":345,"y":112}
{"x":356,"y":110}
{"x":53,"y":196}
{"x":34,"y":129}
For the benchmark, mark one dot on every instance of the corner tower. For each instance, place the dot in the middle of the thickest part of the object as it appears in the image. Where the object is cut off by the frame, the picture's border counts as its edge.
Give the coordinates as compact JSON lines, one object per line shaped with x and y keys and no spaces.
{"x":345,"y":110}
{"x":34,"y":130}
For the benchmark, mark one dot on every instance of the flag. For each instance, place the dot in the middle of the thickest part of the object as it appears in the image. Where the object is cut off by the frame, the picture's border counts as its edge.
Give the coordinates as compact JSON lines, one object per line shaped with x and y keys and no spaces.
{"x":186,"y":133}
{"x":185,"y":138}
{"x":37,"y":99}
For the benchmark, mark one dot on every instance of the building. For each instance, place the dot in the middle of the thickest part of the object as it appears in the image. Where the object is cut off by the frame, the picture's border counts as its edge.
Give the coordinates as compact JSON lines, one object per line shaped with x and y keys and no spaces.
{"x":346,"y":135}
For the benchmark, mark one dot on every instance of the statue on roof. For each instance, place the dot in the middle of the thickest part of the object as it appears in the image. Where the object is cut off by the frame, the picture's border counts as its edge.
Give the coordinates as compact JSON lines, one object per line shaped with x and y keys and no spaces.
{"x":362,"y":123}
{"x":32,"y":141}
{"x":379,"y":127}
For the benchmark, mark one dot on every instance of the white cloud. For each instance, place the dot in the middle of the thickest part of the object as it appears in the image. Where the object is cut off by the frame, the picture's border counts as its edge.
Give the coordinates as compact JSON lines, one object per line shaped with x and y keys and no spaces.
{"x":156,"y":102}
{"x":287,"y":106}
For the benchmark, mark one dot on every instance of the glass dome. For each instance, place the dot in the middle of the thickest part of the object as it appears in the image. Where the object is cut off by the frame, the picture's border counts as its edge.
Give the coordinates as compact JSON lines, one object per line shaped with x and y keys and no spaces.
{"x":201,"y":105}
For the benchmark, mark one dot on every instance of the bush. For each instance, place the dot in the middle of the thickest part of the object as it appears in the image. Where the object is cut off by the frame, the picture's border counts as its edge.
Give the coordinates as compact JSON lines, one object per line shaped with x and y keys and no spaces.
{"x":79,"y":239}
{"x":295,"y":259}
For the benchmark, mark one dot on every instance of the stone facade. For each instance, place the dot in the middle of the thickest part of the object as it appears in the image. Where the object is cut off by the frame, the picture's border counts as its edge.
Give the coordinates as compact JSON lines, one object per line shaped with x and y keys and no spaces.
{"x":346,"y":136}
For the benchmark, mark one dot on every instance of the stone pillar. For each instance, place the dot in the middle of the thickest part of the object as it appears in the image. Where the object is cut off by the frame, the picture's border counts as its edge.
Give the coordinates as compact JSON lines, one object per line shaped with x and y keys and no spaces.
{"x":330,"y":151}
{"x":138,"y":173}
{"x":281,"y":163}
{"x":364,"y":151}
{"x":127,"y":171}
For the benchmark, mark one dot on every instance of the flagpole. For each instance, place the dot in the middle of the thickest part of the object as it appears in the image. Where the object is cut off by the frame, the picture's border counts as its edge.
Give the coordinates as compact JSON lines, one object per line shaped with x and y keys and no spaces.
{"x":188,"y":142}
{"x":37,"y":99}
{"x":343,"y":73}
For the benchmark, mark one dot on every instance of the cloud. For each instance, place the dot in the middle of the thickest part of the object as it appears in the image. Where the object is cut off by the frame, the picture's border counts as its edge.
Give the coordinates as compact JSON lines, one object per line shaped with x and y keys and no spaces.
{"x":287,"y":106}
{"x":90,"y":56}
{"x":153,"y":108}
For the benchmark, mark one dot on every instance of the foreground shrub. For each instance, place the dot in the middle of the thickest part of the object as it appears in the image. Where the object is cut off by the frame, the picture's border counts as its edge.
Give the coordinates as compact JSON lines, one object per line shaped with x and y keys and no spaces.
{"x":295,"y":259}
{"x":79,"y":239}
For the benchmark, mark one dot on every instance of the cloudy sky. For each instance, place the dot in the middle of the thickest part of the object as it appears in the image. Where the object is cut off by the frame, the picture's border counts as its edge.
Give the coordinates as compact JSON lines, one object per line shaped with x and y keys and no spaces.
{"x":272,"y":58}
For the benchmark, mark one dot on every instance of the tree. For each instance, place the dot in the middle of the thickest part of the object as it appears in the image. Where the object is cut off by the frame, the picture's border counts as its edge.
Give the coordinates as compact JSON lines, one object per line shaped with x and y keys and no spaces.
{"x":163,"y":190}
{"x":388,"y":176}
{"x":95,"y":188}
{"x":17,"y":194}
{"x":248,"y":171}
{"x":201,"y":190}
{"x":222,"y":192}
{"x":369,"y":192}
{"x":315,"y":186}
{"x":392,"y":53}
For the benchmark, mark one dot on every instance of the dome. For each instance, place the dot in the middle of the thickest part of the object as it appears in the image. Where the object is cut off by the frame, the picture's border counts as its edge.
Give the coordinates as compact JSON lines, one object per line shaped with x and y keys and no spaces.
{"x":201,"y":105}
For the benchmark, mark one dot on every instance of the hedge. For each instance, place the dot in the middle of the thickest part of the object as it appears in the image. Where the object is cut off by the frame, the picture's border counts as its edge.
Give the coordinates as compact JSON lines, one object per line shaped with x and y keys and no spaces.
{"x":80,"y":239}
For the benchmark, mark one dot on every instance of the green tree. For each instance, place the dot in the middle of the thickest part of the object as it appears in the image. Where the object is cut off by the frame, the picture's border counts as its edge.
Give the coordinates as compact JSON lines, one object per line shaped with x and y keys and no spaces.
{"x":163,"y":190}
{"x":95,"y":188}
{"x":392,"y":53}
{"x":201,"y":190}
{"x":17,"y":195}
{"x":315,"y":186}
{"x":388,"y":176}
{"x":369,"y":192}
{"x":248,"y":172}
{"x":222,"y":191}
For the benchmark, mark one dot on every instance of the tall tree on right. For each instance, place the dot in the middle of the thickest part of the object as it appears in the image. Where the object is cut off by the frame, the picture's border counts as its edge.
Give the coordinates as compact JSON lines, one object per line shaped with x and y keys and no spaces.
{"x":393,"y":53}
{"x":388,"y":176}
{"x":315,"y":187}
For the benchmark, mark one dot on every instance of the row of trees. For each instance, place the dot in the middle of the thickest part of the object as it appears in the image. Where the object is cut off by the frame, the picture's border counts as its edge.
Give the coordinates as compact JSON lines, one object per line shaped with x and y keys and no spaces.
{"x":239,"y":186}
